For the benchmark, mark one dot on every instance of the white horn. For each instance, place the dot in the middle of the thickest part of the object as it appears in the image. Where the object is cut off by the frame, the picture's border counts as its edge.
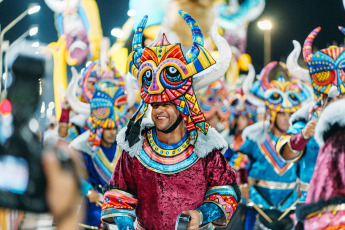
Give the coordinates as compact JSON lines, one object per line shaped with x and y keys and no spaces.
{"x":216,"y":71}
{"x":132,"y":82}
{"x":158,"y":36}
{"x":78,"y":106}
{"x":132,"y":85}
{"x":247,"y":84}
{"x":292,"y":64}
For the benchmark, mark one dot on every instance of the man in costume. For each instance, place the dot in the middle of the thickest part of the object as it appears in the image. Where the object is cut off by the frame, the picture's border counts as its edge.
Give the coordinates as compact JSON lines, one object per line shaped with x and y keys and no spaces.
{"x":174,"y":164}
{"x":242,"y":112}
{"x":326,"y":75}
{"x":272,"y":182}
{"x":107,"y":107}
{"x":324,"y":207}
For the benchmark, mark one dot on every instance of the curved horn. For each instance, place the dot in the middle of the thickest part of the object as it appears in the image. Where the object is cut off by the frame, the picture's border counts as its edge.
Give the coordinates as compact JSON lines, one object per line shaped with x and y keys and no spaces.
{"x":197,"y":36}
{"x":85,"y":81}
{"x":216,"y":71}
{"x":158,"y":36}
{"x":137,"y":44}
{"x":131,"y":93}
{"x":308,"y":45}
{"x":263,"y":77}
{"x":292,"y":64}
{"x":132,"y":82}
{"x":134,"y":58}
{"x":78,"y":106}
{"x":247,"y":84}
{"x":57,"y":6}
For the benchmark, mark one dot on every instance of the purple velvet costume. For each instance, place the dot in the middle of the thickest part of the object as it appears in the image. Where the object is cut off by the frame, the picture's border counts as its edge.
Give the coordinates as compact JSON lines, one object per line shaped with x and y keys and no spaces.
{"x":155,"y":198}
{"x":162,"y":197}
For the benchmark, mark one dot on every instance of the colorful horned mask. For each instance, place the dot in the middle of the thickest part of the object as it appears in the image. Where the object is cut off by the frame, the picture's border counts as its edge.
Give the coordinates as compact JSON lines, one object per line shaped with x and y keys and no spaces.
{"x":108,"y":110}
{"x":214,"y":101}
{"x":326,"y":67}
{"x":106,"y":96}
{"x":163,"y":73}
{"x":280,"y":91}
{"x":239,"y":104}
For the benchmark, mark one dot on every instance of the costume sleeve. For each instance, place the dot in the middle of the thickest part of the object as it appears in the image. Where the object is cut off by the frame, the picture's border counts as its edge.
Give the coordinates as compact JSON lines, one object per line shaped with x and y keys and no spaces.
{"x":120,"y":198}
{"x":223,"y":192}
{"x":124,"y":223}
{"x":85,"y":187}
{"x":295,"y":139}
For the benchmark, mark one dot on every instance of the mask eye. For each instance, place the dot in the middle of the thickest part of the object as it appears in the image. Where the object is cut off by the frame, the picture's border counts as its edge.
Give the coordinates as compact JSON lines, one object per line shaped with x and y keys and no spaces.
{"x":293,"y":98}
{"x":171,"y":76}
{"x":275,"y":98}
{"x":234,"y":103}
{"x":147,"y":77}
{"x":172,"y":71}
{"x":101,"y":113}
{"x":248,"y":102}
{"x":324,"y":77}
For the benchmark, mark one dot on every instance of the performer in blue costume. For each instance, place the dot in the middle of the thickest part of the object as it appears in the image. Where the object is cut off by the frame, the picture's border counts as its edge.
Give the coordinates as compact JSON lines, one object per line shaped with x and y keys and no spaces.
{"x":98,"y":145}
{"x":272,"y":181}
{"x":325,"y":74}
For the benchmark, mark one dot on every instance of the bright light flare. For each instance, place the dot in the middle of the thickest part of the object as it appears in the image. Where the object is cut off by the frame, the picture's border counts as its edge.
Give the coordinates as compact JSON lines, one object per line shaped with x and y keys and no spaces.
{"x":34,"y":8}
{"x":131,"y":13}
{"x":33,"y":31}
{"x":265,"y":25}
{"x":117,"y":32}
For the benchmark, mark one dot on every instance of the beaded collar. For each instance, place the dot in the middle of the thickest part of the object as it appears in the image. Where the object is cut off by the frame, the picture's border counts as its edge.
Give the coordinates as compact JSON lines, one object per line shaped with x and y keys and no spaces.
{"x":166,"y":159}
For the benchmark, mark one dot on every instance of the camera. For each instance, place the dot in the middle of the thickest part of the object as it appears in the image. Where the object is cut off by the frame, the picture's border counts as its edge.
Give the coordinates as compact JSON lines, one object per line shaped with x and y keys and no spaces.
{"x":22,"y":181}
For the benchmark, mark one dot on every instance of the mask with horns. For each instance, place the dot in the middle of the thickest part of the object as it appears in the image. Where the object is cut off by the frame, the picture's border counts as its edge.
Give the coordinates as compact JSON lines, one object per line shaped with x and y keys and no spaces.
{"x":163,"y":73}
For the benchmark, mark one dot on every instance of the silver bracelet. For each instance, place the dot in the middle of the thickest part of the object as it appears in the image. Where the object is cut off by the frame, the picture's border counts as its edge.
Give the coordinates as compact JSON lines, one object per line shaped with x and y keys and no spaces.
{"x":201,"y":216}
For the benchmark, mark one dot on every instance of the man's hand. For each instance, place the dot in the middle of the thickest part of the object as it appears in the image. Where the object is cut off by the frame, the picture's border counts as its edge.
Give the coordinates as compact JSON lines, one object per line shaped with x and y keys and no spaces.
{"x":65,"y":104}
{"x":94,"y":197}
{"x":195,"y":221}
{"x":309,"y":129}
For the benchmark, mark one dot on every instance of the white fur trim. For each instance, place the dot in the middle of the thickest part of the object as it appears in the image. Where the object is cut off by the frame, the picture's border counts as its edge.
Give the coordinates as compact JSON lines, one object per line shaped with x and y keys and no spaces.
{"x":203,"y":146}
{"x":333,"y":114}
{"x":256,"y":132}
{"x":302,"y":113}
{"x":80,"y":143}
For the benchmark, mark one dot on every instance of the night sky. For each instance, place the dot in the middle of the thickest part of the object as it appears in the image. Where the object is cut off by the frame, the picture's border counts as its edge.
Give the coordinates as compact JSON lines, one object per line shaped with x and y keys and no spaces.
{"x":292,"y":19}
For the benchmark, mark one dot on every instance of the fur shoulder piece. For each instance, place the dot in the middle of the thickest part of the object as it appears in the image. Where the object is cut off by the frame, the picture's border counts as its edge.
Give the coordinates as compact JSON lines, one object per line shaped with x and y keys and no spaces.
{"x":256,"y":132}
{"x":304,"y":210}
{"x":80,"y":143}
{"x":301,"y":114}
{"x":331,"y":118}
{"x":205,"y":143}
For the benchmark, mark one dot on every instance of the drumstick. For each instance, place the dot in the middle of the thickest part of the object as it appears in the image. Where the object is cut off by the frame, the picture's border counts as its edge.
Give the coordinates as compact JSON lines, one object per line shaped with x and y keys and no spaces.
{"x":259,"y":210}
{"x":288,"y":210}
